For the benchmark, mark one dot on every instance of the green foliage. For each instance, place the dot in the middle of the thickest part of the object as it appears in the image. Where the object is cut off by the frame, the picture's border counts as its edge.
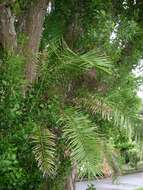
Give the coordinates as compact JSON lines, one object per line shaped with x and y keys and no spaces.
{"x":65,"y":116}
{"x":60,"y":131}
{"x":71,"y":64}
{"x":82,"y":140}
{"x":16,"y":161}
{"x":44,"y":149}
{"x":18,"y":169}
{"x":12,"y":174}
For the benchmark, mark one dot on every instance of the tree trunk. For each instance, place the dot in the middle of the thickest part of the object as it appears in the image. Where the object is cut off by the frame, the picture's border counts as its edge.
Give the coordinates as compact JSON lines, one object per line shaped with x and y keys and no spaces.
{"x":7,"y":29}
{"x":70,"y":182}
{"x":33,"y":29}
{"x":74,"y":27}
{"x":33,"y":20}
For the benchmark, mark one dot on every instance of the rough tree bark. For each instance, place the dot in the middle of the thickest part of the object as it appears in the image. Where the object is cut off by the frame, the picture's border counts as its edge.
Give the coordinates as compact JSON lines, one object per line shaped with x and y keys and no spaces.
{"x":7,"y":29}
{"x":32,"y":28}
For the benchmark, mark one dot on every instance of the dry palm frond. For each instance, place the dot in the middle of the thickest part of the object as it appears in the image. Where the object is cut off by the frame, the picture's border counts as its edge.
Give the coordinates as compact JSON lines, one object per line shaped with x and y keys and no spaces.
{"x":97,"y":105}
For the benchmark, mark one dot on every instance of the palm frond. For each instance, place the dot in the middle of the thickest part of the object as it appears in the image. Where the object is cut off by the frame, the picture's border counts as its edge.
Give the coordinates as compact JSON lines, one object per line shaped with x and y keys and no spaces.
{"x":82,"y":140}
{"x":97,"y":105}
{"x":78,"y":63}
{"x":44,"y":149}
{"x":69,"y":64}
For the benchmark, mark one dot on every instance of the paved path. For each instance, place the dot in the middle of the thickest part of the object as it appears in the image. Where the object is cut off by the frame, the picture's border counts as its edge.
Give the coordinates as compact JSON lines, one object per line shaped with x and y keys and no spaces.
{"x":127,"y":182}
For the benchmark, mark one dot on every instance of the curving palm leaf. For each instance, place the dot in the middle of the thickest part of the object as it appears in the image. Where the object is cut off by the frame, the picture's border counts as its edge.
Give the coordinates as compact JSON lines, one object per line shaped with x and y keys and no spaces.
{"x":97,"y":105}
{"x":44,"y":149}
{"x":81,"y":63}
{"x":83,"y":142}
{"x":68,"y":64}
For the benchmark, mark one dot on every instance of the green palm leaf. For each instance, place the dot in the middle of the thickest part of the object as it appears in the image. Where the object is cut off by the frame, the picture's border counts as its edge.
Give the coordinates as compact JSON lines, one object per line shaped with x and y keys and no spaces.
{"x":82,"y":140}
{"x":68,"y":64}
{"x":76,"y":62}
{"x":44,"y":149}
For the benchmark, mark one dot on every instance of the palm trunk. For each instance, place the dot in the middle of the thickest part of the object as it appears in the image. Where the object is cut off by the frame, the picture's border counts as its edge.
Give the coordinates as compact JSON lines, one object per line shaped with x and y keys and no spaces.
{"x":70,"y":182}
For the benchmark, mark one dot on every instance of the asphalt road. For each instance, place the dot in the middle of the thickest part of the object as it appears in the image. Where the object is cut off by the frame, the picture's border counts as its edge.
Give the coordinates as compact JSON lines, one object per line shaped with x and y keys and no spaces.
{"x":127,"y":182}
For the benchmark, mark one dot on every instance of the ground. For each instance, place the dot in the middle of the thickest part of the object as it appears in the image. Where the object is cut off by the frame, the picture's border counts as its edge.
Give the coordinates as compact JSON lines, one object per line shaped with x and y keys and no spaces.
{"x":127,"y":182}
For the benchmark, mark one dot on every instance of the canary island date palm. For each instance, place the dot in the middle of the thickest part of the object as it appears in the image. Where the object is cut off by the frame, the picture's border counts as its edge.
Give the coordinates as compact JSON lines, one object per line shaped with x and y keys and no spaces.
{"x":66,"y":136}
